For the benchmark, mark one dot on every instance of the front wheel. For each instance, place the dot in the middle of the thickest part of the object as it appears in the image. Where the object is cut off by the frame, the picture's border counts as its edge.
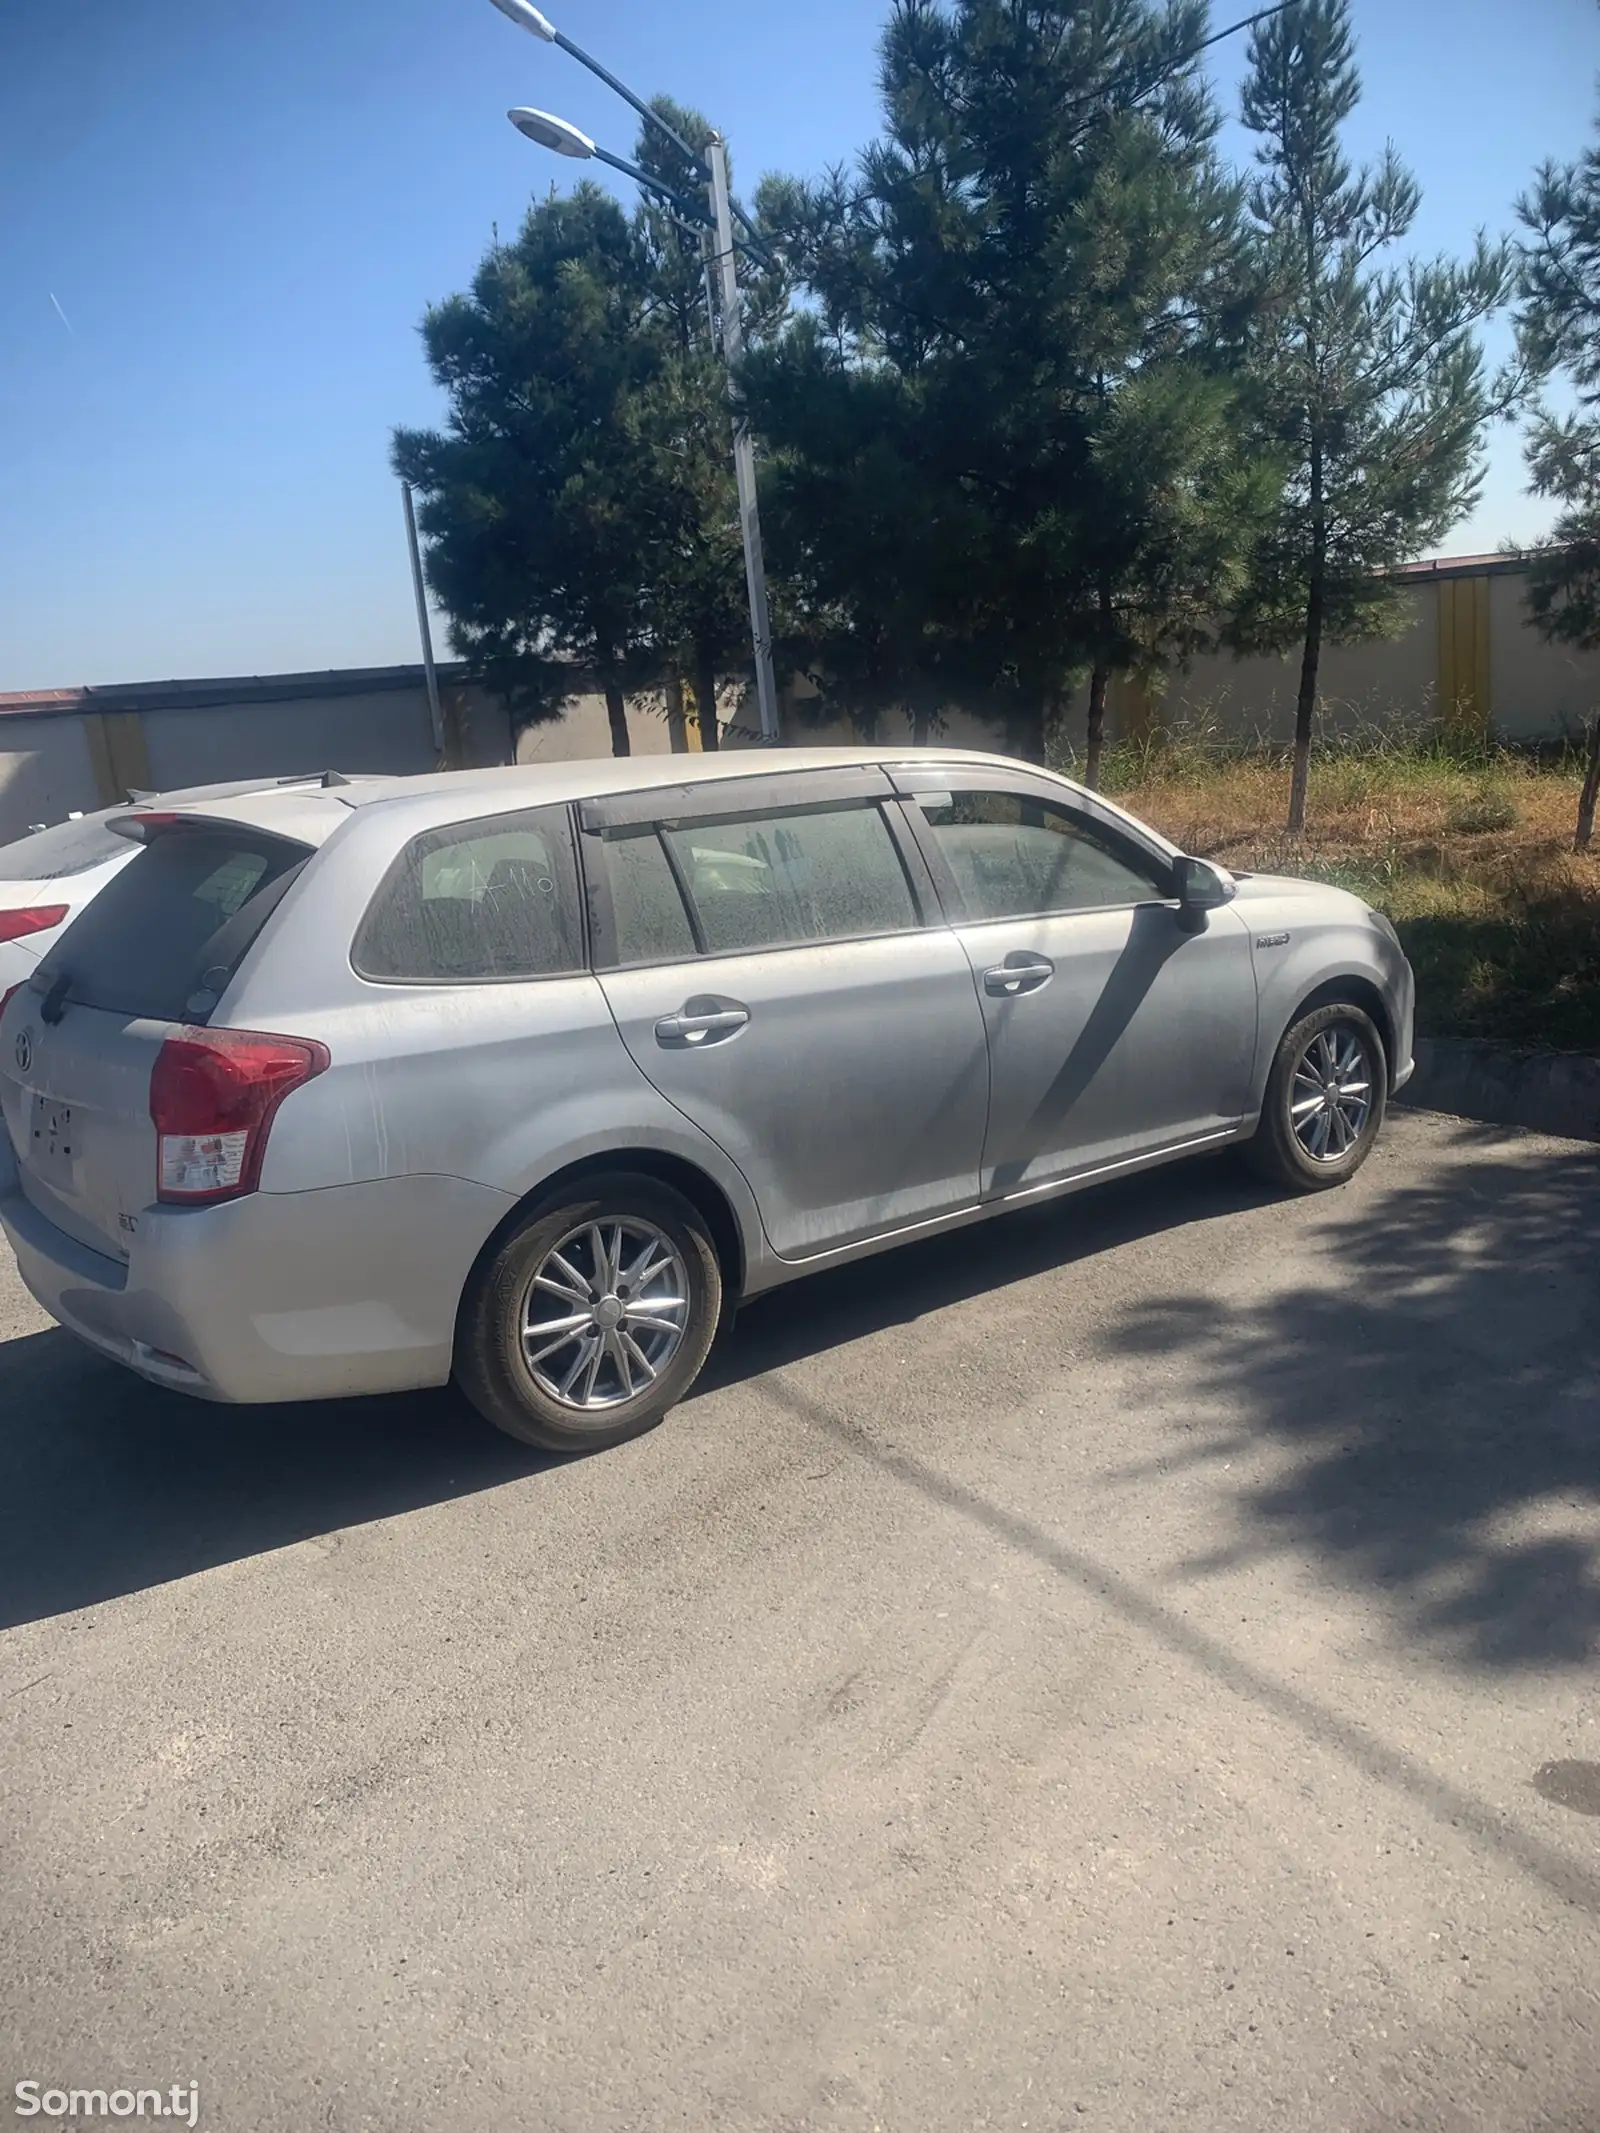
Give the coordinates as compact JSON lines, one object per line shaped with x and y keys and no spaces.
{"x":1325,"y":1101}
{"x":593,"y":1318}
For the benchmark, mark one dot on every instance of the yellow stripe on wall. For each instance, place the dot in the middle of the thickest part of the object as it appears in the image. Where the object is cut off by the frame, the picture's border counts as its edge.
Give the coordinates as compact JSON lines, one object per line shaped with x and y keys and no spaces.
{"x":117,"y":754}
{"x":1132,"y":708}
{"x":1464,"y":657}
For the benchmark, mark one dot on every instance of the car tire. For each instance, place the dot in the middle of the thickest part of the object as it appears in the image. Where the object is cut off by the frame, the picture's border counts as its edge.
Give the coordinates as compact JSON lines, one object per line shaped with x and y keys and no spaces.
{"x":1318,"y":1058}
{"x":553,"y":1348}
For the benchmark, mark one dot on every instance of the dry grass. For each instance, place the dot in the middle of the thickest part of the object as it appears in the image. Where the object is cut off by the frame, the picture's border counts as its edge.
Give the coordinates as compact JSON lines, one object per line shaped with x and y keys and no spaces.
{"x":1471,"y":857}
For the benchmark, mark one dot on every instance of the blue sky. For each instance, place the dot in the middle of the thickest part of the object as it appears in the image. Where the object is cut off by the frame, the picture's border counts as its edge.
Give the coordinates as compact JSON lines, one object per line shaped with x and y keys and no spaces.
{"x":242,"y":211}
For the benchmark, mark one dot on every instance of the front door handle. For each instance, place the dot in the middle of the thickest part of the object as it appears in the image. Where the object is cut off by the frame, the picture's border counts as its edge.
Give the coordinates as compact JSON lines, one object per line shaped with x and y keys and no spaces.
{"x":699,"y":1023}
{"x":1018,"y":974}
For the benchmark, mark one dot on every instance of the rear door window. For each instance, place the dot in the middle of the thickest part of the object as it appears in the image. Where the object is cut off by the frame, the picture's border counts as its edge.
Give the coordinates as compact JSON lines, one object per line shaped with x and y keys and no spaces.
{"x":783,"y":880}
{"x":164,"y":937}
{"x":477,"y":903}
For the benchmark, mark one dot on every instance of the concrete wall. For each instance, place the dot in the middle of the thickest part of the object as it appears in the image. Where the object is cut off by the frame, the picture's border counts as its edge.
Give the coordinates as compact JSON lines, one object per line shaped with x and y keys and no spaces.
{"x":1391,"y":683}
{"x":81,"y":750}
{"x":1537,"y":690}
{"x":196,"y":746}
{"x":584,"y":731}
{"x":46,"y":772}
{"x":1467,"y":657}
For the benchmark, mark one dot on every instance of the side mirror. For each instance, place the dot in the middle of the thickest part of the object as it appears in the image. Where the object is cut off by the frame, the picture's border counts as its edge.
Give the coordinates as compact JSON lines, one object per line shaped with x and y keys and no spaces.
{"x":1202,"y":886}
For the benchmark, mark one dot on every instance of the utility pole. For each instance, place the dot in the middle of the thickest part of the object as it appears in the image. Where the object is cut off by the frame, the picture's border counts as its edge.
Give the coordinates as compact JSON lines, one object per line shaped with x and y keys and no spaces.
{"x":424,"y":628}
{"x":744,"y":457}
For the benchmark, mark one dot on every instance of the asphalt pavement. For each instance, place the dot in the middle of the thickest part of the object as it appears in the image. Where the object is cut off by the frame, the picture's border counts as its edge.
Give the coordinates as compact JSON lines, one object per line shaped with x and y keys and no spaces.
{"x":1129,"y":1667}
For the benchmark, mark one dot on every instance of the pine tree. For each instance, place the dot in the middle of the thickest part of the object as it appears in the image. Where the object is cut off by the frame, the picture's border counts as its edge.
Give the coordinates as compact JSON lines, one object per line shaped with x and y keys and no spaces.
{"x":1371,"y":380}
{"x":1003,"y":443}
{"x":1559,"y":328}
{"x":542,"y":500}
{"x":579,"y":507}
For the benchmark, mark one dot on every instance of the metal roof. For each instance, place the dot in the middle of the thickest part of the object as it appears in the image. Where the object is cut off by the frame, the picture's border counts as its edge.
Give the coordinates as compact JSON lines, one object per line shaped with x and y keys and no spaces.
{"x":223,"y":692}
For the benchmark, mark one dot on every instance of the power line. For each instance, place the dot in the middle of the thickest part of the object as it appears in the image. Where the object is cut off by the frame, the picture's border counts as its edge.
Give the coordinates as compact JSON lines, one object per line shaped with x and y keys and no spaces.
{"x":1234,"y":28}
{"x":1248,"y":22}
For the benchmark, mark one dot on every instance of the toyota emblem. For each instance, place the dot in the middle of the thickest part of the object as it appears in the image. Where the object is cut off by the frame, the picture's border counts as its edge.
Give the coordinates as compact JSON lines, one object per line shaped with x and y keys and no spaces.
{"x":25,"y":1051}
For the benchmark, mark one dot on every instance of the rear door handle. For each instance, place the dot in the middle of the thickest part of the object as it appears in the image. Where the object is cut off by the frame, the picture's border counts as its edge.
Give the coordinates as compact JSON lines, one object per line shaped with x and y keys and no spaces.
{"x":1018,"y":974}
{"x":695,"y":1026}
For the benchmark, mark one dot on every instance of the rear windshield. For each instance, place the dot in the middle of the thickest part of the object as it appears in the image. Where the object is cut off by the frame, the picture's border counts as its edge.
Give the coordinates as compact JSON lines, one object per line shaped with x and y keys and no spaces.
{"x":69,"y":848}
{"x":164,"y":936}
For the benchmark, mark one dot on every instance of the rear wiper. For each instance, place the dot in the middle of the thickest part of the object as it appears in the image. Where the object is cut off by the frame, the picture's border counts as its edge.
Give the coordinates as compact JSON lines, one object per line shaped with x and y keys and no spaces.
{"x":54,"y":1004}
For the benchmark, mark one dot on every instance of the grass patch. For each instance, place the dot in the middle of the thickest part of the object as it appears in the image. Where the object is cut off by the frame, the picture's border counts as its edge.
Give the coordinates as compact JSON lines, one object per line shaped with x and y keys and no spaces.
{"x":1470,"y":853}
{"x":1492,"y":808}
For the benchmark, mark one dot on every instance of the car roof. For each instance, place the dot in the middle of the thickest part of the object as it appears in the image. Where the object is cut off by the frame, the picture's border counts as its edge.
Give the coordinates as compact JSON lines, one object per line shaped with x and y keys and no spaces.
{"x":313,"y":813}
{"x":310,"y":813}
{"x":601,"y":777}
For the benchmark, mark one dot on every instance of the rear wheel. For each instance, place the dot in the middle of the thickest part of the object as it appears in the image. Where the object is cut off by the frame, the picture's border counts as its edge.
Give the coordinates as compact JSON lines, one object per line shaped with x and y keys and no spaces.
{"x":593,"y":1318}
{"x":1325,"y":1101}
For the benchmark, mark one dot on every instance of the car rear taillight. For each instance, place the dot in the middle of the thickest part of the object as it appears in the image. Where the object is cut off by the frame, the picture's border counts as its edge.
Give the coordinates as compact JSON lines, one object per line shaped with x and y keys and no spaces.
{"x":35,"y":918}
{"x":7,"y":997}
{"x":213,"y":1096}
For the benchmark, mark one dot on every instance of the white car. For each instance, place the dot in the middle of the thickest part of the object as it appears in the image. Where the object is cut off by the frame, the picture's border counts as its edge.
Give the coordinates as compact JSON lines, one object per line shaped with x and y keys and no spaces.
{"x":48,"y":877}
{"x":45,"y":881}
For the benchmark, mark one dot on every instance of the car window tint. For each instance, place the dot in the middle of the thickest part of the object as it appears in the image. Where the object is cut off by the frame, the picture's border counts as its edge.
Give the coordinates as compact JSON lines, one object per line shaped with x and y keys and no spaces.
{"x":1013,"y":855}
{"x":651,"y":923}
{"x":165,"y":935}
{"x":68,"y":848}
{"x":476,"y":902}
{"x":768,"y":881}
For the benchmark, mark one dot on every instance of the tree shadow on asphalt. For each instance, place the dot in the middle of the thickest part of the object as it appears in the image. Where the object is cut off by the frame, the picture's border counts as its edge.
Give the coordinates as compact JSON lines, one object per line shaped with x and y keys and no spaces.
{"x":112,"y":1485}
{"x":1433,"y":1404}
{"x":1438,"y":1402}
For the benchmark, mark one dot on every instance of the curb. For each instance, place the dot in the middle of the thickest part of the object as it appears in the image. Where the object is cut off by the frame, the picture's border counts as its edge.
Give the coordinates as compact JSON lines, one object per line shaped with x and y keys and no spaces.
{"x":1547,"y":1092}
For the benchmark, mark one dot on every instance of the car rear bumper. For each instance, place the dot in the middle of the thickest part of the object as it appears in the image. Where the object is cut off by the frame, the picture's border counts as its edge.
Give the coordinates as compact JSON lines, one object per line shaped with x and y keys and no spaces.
{"x":291,"y":1296}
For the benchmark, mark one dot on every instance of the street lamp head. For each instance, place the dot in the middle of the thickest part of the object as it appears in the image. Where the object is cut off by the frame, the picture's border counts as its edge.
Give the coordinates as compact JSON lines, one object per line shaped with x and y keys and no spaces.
{"x":528,"y":18}
{"x":551,"y":132}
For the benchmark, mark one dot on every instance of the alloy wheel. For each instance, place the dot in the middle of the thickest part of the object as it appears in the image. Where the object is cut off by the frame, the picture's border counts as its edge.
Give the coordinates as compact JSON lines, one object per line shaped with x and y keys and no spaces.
{"x":605,"y":1313}
{"x":1330,"y":1093}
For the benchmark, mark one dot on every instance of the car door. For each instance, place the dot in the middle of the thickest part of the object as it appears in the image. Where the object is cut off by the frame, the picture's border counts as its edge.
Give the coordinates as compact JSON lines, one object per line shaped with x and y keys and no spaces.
{"x":1117,"y":1026}
{"x":779,"y":971}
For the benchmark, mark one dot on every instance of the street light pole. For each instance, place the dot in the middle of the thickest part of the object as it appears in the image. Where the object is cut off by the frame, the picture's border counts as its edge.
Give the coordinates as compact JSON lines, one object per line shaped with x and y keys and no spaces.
{"x":744,"y":458}
{"x":722,"y":279}
{"x":529,"y":18}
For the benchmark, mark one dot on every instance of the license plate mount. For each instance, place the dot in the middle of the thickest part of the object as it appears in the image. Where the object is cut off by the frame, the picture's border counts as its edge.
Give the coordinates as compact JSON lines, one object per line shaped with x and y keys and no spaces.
{"x":54,"y":1150}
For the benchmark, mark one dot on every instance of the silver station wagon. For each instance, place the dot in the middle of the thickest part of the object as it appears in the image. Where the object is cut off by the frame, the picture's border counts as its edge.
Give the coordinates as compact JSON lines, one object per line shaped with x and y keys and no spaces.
{"x":525,"y":1077}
